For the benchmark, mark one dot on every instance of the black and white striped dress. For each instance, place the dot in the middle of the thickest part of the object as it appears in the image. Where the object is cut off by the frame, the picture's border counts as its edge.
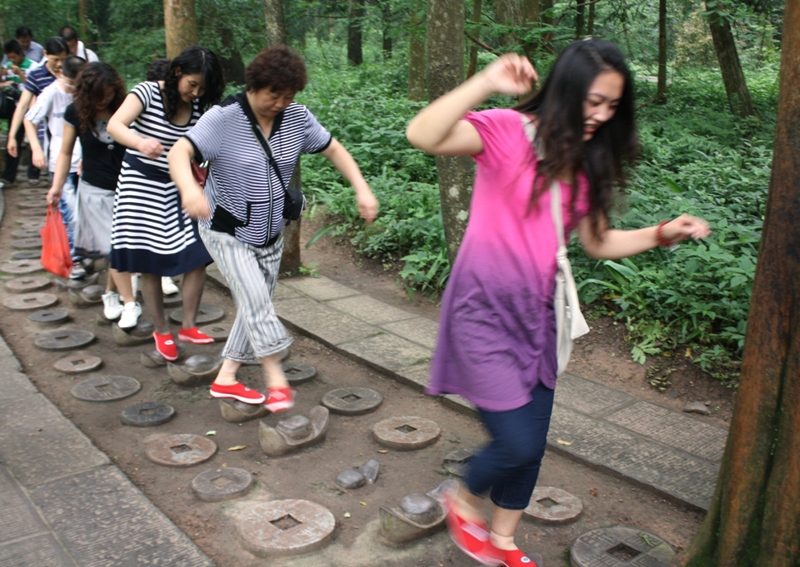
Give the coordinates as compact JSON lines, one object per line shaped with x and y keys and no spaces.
{"x":151,"y":233}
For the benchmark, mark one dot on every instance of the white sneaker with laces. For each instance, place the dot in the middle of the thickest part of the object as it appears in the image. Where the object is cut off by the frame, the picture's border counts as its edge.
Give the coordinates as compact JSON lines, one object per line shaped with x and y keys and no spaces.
{"x":112,"y":308}
{"x":130,"y":315}
{"x":168,"y":286}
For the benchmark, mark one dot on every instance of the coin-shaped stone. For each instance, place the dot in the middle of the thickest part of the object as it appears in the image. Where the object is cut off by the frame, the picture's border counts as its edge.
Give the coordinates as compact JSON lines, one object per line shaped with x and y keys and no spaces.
{"x":32,"y":192}
{"x":106,"y":388}
{"x":550,"y":505}
{"x":25,"y":233}
{"x":618,"y":546}
{"x":217,"y":331}
{"x":172,"y":300}
{"x":298,"y":372}
{"x":353,"y":400}
{"x":64,"y":339}
{"x":34,"y":243}
{"x":27,"y":284}
{"x":33,"y":212}
{"x":281,"y":528}
{"x":27,"y":255}
{"x":205,"y":314}
{"x":78,"y":363}
{"x":21,"y":266}
{"x":32,"y":203}
{"x":49,"y":317}
{"x":30,"y":301}
{"x":147,"y":414}
{"x":181,"y":450}
{"x":406,"y":433}
{"x":221,"y":484}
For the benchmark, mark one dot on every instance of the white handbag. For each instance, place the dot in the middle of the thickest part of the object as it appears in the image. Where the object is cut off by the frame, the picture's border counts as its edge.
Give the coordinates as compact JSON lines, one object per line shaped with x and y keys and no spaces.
{"x":570,"y":323}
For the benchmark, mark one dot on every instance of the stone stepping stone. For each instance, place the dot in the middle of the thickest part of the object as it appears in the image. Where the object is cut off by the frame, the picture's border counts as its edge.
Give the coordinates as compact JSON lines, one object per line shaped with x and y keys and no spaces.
{"x":298,"y":372}
{"x":180,"y":450}
{"x":356,"y":478}
{"x":406,"y":433}
{"x":172,"y":300}
{"x":78,"y":363}
{"x":620,"y":545}
{"x":138,"y":335}
{"x":89,"y":296}
{"x":550,"y":505}
{"x":456,"y":462}
{"x":64,"y":339}
{"x":222,"y":484}
{"x":26,"y":284}
{"x":293,"y":433}
{"x":30,"y":301}
{"x":106,"y":388}
{"x":353,"y":400}
{"x":198,"y":369}
{"x":26,"y":255}
{"x":27,"y":243}
{"x":25,"y":233}
{"x":282,"y":528}
{"x":32,"y":192}
{"x":217,"y":331}
{"x":417,"y":516}
{"x":21,"y":266}
{"x":153,"y":359}
{"x":49,"y":317}
{"x":147,"y":414}
{"x":234,"y":411}
{"x":31,"y":203}
{"x":205,"y":314}
{"x":33,"y":212}
{"x":80,"y":283}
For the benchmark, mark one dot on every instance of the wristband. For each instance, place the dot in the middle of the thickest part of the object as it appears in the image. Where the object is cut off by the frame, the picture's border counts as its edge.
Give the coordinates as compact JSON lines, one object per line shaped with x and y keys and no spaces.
{"x":660,"y":236}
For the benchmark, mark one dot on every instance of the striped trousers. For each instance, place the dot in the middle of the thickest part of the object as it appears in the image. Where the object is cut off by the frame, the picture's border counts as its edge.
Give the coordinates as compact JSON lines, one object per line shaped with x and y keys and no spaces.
{"x":252,"y":273}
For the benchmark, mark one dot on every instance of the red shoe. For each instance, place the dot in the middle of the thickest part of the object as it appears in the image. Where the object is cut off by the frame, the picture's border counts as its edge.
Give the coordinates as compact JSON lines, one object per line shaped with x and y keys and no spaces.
{"x":470,"y":537}
{"x":238,"y":392}
{"x":194,"y":335}
{"x":279,"y":399}
{"x":166,"y":346}
{"x":515,"y":558}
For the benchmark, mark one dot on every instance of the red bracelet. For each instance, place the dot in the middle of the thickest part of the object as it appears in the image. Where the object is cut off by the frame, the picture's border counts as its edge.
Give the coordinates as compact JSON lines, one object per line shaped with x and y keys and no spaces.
{"x":660,"y":236}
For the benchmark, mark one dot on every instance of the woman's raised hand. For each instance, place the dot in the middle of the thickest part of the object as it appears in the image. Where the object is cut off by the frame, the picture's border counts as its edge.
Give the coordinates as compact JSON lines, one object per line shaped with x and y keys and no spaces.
{"x":510,"y":74}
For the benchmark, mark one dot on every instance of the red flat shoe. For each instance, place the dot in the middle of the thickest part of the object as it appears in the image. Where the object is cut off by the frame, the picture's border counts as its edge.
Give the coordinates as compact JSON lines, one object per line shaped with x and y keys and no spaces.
{"x":516,"y":558}
{"x":470,"y":537}
{"x":237,"y":392}
{"x":165,"y":345}
{"x":194,"y":335}
{"x":279,"y":399}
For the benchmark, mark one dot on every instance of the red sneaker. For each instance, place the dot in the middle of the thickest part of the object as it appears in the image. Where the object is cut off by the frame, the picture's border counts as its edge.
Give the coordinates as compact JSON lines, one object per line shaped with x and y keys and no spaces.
{"x":279,"y":399}
{"x":238,"y":392}
{"x":515,"y":558}
{"x":194,"y":335}
{"x":470,"y":537}
{"x":165,"y":345}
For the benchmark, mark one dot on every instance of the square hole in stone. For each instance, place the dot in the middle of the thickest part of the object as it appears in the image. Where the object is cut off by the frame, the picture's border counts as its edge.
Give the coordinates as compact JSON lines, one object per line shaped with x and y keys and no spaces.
{"x":292,"y":371}
{"x":221,"y":481}
{"x":101,"y":387}
{"x":182,"y":448}
{"x":623,"y":552}
{"x":351,"y":398}
{"x":286,"y":522}
{"x":547,"y":502}
{"x":77,"y":362}
{"x":29,"y":299}
{"x":405,"y":429}
{"x":147,"y":411}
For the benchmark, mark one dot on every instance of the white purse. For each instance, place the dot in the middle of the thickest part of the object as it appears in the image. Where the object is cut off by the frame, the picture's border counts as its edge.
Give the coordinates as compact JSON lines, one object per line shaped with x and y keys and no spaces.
{"x":570,"y":323}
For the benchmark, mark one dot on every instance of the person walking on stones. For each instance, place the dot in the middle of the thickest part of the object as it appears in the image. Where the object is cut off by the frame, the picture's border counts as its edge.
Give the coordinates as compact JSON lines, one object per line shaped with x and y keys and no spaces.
{"x":496,"y":345}
{"x":99,"y":92}
{"x":151,"y":232}
{"x":76,"y":46}
{"x":13,"y":73}
{"x":241,"y":207}
{"x":31,"y":49}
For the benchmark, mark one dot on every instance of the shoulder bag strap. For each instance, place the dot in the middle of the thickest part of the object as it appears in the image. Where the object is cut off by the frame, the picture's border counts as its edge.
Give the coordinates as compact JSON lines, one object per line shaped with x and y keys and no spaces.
{"x":241,"y":98}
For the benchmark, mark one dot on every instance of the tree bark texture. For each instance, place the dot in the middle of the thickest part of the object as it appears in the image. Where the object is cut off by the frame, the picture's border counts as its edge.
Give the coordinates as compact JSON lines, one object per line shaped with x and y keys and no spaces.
{"x":580,"y":19}
{"x":730,"y":67}
{"x":661,"y":89}
{"x":754,"y":519}
{"x":386,"y":31}
{"x":180,"y":25}
{"x":83,"y":18}
{"x":416,"y":51}
{"x":275,"y":23}
{"x":590,"y":20}
{"x":477,"y":13}
{"x":231,"y":59}
{"x":355,"y":54}
{"x":290,"y":260}
{"x":532,"y":15}
{"x":445,"y":72}
{"x":508,"y":13}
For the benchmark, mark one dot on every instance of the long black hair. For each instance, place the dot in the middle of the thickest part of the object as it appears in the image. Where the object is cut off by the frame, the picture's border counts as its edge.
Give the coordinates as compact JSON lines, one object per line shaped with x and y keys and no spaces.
{"x":558,"y":107}
{"x":194,"y":59}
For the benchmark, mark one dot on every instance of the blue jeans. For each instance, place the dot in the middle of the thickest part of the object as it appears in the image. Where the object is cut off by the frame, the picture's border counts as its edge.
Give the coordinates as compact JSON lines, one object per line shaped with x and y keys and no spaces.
{"x":67,"y":205}
{"x":509,"y":465}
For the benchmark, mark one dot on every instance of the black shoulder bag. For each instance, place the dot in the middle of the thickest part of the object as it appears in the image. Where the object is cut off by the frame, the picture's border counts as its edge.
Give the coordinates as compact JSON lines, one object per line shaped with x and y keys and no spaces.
{"x":294,"y":202}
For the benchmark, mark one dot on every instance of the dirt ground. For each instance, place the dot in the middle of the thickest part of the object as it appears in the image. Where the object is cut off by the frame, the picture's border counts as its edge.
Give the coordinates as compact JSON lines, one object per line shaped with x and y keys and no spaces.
{"x":309,"y":474}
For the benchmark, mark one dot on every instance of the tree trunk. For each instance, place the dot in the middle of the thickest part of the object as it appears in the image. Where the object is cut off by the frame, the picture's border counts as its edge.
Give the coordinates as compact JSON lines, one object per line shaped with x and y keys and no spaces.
{"x":661,"y":90}
{"x":290,"y":260}
{"x":753,"y":520}
{"x":445,"y":72}
{"x":275,"y":23}
{"x":355,"y":22}
{"x":477,"y":12}
{"x":386,"y":30}
{"x":533,"y":15}
{"x":83,"y":18}
{"x":590,"y":21}
{"x":580,"y":24}
{"x":180,"y":26}
{"x":231,"y":60}
{"x":507,"y":13}
{"x":416,"y":51}
{"x":729,"y":65}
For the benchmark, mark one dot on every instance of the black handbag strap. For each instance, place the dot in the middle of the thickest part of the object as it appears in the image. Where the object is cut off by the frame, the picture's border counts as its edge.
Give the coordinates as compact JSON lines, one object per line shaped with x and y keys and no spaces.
{"x":241,"y":98}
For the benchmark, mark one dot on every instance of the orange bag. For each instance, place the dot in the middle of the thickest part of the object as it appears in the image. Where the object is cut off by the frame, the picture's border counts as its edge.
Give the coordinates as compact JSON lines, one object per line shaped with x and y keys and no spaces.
{"x":56,"y":257}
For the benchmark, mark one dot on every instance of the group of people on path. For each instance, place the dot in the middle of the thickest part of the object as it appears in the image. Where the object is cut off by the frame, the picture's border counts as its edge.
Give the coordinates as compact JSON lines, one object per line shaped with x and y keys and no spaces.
{"x":174,"y":178}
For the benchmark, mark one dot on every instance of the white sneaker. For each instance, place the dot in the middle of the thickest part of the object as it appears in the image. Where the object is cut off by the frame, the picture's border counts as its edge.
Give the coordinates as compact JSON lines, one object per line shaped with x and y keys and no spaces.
{"x":168,"y":286}
{"x":112,"y":308}
{"x":136,"y":284}
{"x":130,"y":315}
{"x":77,"y":271}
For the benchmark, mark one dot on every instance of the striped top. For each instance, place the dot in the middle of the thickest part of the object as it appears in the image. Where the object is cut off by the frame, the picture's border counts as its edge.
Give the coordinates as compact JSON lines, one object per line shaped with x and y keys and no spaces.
{"x":243,"y":191}
{"x":39,"y":79}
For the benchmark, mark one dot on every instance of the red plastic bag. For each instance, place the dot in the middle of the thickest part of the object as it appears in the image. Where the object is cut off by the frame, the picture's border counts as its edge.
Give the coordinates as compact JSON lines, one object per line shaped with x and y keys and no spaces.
{"x":56,"y":257}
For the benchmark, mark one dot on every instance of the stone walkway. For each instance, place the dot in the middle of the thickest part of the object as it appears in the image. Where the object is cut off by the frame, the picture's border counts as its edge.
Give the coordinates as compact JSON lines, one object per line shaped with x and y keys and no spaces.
{"x":673,"y":453}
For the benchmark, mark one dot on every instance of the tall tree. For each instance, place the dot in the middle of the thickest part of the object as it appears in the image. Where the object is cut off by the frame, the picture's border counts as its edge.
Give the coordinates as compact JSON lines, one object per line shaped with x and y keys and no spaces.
{"x":590,"y":20}
{"x":580,"y":19}
{"x":180,"y":25}
{"x":753,"y":520}
{"x":661,"y":90}
{"x":729,"y":65}
{"x":83,"y":18}
{"x":477,"y":13}
{"x":445,"y":72}
{"x":535,"y":14}
{"x":508,"y":13}
{"x":275,"y":23}
{"x":416,"y":51}
{"x":355,"y":54}
{"x":385,"y":7}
